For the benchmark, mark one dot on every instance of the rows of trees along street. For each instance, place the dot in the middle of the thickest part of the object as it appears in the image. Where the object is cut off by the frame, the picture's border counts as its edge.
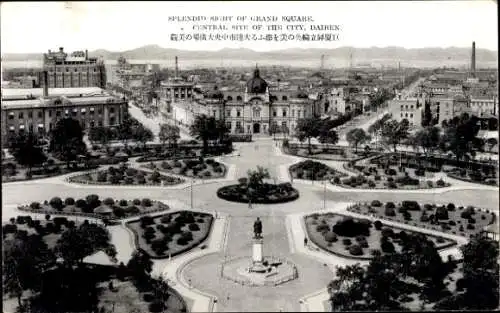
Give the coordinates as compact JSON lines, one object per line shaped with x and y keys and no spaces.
{"x":418,"y":273}
{"x":129,"y":129}
{"x":457,"y":136}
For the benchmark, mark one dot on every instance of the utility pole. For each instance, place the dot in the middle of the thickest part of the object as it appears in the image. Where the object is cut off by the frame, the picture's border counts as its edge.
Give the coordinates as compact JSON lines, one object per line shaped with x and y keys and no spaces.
{"x":191,"y":194}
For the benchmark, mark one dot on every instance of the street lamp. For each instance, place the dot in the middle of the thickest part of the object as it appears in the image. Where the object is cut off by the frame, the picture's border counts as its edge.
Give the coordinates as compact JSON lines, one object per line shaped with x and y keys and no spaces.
{"x":192,"y":193}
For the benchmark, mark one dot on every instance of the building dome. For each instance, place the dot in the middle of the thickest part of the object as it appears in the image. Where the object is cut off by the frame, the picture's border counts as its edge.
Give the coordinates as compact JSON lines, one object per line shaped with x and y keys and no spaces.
{"x":256,"y":84}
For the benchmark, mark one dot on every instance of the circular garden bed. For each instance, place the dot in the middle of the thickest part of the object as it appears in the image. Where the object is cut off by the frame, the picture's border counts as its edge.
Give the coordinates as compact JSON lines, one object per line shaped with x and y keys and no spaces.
{"x":447,"y":218}
{"x":92,"y":206}
{"x":264,"y":193}
{"x":360,"y":238}
{"x":313,"y":170}
{"x":171,"y":234}
{"x":485,"y":177}
{"x":123,"y":175}
{"x":201,"y":168}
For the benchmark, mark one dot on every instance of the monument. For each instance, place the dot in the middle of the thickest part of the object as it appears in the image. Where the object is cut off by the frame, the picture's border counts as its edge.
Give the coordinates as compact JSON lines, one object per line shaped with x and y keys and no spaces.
{"x":259,"y":270}
{"x":258,"y":248}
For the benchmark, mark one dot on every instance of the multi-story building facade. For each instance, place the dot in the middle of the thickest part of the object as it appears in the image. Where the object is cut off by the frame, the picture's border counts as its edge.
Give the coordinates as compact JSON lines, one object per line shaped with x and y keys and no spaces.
{"x":74,"y":70}
{"x":484,"y":105}
{"x":409,"y":109}
{"x":250,"y":111}
{"x":38,"y":111}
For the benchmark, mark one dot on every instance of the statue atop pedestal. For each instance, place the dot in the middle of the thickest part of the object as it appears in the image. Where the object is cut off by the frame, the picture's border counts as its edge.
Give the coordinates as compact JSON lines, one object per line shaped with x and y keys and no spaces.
{"x":257,"y":229}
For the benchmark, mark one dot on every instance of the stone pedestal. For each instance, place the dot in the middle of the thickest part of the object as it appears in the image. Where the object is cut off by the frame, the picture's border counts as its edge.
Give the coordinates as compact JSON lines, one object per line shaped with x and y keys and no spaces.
{"x":257,"y":256}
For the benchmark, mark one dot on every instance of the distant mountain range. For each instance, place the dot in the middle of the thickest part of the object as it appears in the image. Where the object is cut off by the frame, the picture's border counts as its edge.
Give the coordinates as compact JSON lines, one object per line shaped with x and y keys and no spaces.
{"x":155,"y":52}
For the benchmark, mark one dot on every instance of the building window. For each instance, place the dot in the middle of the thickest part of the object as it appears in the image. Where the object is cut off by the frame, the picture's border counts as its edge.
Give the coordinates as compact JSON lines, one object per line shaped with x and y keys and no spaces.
{"x":283,"y":124}
{"x":228,"y":125}
{"x":58,"y":113}
{"x":74,"y":112}
{"x":228,"y":113}
{"x":275,"y":113}
{"x":30,"y":127}
{"x":284,"y":98}
{"x":401,"y":114}
{"x":11,"y":115}
{"x":238,"y":125}
{"x":99,"y":110}
{"x":40,"y":114}
{"x":293,"y":113}
{"x":229,"y":98}
{"x":99,"y":123}
{"x":411,"y":115}
{"x":406,"y":114}
{"x":91,"y":111}
{"x":411,"y":106}
{"x":21,"y":115}
{"x":401,"y":106}
{"x":30,"y":114}
{"x":238,"y":98}
{"x":112,"y":110}
{"x":238,"y":113}
{"x":284,"y":113}
{"x":112,"y":121}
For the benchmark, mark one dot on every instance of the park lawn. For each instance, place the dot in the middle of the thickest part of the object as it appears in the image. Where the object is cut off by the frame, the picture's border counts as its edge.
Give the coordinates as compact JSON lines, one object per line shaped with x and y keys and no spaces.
{"x":372,"y":177}
{"x":192,"y":167}
{"x":373,"y":239}
{"x":130,"y":209}
{"x":126,"y":298}
{"x":454,"y":216}
{"x":137,"y":179}
{"x":174,"y":248}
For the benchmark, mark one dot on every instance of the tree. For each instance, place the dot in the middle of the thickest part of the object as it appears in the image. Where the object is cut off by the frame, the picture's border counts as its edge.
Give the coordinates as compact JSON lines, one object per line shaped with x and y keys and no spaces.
{"x":327,"y":135}
{"x":23,"y":262}
{"x":142,"y":134}
{"x":428,"y":139}
{"x":204,"y":128}
{"x":28,"y":154}
{"x":169,"y":133}
{"x":77,"y":243}
{"x":285,"y":130}
{"x":308,"y":128}
{"x":427,"y":114}
{"x":459,"y":134}
{"x":393,"y":132}
{"x":101,"y":134}
{"x":256,"y":178}
{"x":221,"y":130}
{"x":357,"y":136}
{"x":67,"y":140}
{"x":140,"y":265}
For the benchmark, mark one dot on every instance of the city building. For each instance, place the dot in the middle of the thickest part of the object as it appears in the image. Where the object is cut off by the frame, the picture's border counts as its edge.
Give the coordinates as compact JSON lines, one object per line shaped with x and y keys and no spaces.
{"x":249,"y":111}
{"x":74,"y":70}
{"x":409,"y":109}
{"x":38,"y":110}
{"x":484,"y":105}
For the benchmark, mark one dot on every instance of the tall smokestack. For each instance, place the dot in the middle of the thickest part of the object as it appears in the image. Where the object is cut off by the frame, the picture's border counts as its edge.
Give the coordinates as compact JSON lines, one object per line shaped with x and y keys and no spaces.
{"x":473,"y":60}
{"x":86,"y":54}
{"x":176,"y":67}
{"x":45,"y":83}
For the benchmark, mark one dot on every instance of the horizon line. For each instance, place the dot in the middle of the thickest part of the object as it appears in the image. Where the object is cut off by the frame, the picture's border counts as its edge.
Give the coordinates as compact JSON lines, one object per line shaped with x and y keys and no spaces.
{"x":264,"y":51}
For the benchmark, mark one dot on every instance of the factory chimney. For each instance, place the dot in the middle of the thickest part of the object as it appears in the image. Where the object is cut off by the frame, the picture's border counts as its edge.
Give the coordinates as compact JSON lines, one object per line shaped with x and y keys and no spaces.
{"x":176,"y":68}
{"x":473,"y":60}
{"x":86,"y":54}
{"x":45,"y":84}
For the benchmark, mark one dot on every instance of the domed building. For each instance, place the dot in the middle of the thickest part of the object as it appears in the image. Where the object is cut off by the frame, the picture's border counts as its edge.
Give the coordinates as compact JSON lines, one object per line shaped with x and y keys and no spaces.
{"x":255,"y":110}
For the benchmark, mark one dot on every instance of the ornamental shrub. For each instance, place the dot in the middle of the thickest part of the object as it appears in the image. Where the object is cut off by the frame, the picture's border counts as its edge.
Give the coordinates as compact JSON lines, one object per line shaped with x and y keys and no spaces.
{"x":146,"y":202}
{"x":35,"y":205}
{"x":123,"y":202}
{"x":136,"y":202}
{"x":387,"y":247}
{"x":330,"y":237}
{"x":69,"y":201}
{"x":108,"y":201}
{"x":376,"y":203}
{"x":56,"y":203}
{"x":193,"y":227}
{"x":346,"y":241}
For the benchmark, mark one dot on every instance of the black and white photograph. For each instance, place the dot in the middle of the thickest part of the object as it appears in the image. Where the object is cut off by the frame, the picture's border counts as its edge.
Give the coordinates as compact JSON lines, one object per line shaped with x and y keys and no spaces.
{"x":249,"y":156}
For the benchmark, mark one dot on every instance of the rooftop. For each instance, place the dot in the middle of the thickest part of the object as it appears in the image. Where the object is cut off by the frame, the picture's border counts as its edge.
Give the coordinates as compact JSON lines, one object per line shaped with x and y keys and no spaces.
{"x":47,"y":102}
{"x":22,"y":93}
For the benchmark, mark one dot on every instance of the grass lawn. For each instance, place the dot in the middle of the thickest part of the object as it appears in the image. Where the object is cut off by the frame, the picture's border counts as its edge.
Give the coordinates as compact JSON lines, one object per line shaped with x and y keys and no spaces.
{"x":116,"y":209}
{"x":190,"y":167}
{"x":126,"y":298}
{"x":392,"y":177}
{"x":455,"y":224}
{"x":127,"y":176}
{"x":373,"y":240}
{"x":313,"y":170}
{"x":168,"y":230}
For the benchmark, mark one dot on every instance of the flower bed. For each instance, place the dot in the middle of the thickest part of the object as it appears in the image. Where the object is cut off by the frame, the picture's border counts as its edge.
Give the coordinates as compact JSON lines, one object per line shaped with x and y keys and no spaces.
{"x":446,"y":218}
{"x":171,"y":234}
{"x":93,"y":207}
{"x":387,"y":177}
{"x":201,"y":168}
{"x":124,"y":175}
{"x":489,"y":178}
{"x":331,"y":154}
{"x":313,"y":170}
{"x":264,"y":194}
{"x":359,"y":238}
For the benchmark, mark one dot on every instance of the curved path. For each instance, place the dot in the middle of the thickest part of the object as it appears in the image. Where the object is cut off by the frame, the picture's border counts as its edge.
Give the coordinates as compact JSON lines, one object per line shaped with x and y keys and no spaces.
{"x":195,"y":274}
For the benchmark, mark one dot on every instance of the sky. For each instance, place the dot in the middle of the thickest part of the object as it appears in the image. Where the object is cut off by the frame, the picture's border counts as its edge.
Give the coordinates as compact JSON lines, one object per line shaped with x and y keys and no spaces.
{"x":35,"y":27}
